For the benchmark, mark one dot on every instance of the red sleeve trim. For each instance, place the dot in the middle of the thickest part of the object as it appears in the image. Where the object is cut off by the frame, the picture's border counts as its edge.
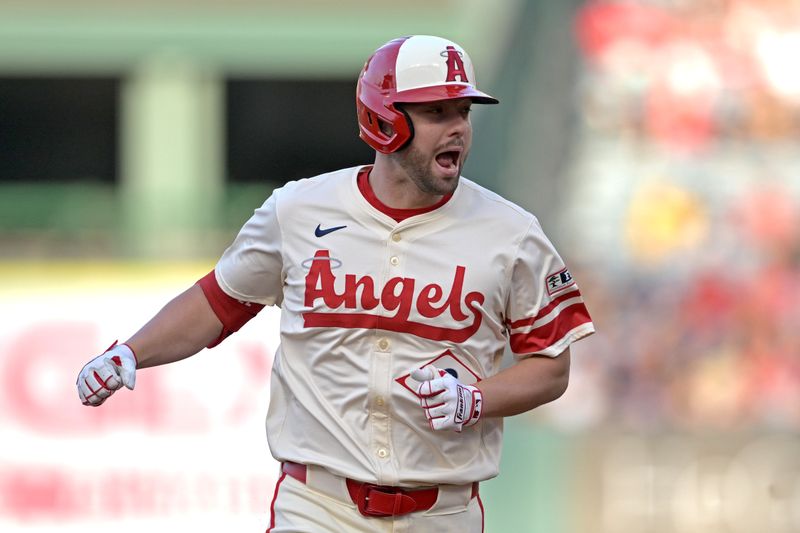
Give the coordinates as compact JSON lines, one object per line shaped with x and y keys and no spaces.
{"x":231,"y":312}
{"x":543,"y":337}
{"x":555,"y":302}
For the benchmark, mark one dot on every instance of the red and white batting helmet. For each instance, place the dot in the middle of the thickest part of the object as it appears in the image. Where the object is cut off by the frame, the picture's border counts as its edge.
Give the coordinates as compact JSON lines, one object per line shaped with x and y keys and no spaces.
{"x":420,"y":68}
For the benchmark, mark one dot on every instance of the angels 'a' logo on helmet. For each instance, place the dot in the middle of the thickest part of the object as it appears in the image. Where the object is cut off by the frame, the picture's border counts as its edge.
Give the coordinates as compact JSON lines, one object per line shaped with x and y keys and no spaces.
{"x":455,"y":65}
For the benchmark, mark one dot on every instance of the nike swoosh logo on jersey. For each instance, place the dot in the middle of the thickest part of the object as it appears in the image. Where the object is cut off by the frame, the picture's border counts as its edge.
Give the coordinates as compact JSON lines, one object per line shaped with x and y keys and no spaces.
{"x":319,"y":232}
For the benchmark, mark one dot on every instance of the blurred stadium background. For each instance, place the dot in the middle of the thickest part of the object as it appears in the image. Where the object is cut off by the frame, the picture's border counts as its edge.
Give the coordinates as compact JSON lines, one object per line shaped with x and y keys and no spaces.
{"x":655,"y":139}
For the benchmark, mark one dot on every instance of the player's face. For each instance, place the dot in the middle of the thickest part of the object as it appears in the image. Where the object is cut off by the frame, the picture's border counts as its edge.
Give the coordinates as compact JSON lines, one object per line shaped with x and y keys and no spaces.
{"x":441,"y":143}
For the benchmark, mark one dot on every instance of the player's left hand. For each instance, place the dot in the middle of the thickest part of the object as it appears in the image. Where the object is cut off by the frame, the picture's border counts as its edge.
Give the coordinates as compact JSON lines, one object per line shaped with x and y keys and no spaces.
{"x":448,"y":403}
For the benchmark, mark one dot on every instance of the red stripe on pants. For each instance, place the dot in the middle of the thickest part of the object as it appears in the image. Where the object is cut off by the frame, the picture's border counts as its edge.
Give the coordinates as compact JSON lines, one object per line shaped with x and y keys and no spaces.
{"x":272,"y":505}
{"x":483,"y":515}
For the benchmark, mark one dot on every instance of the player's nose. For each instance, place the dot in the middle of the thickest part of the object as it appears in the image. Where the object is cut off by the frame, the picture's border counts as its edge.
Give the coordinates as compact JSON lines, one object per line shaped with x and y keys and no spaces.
{"x":458,"y":126}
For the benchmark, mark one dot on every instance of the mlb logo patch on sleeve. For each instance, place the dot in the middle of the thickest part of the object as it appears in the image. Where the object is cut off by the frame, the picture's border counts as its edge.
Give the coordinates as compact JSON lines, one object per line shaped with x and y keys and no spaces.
{"x":559,"y":281}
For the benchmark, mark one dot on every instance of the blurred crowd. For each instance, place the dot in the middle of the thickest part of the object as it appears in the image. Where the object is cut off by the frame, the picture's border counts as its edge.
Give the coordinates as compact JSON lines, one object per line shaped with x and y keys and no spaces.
{"x":699,"y":327}
{"x":687,"y":73}
{"x":716,"y":349}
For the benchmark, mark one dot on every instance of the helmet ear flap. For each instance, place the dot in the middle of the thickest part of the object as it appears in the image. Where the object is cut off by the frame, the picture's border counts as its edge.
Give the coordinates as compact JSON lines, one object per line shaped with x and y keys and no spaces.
{"x":375,"y":105}
{"x":374,"y":131}
{"x":409,"y":124}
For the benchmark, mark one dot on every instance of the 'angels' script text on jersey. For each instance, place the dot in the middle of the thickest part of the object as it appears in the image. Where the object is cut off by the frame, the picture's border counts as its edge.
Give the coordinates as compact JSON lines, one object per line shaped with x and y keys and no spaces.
{"x":320,"y":284}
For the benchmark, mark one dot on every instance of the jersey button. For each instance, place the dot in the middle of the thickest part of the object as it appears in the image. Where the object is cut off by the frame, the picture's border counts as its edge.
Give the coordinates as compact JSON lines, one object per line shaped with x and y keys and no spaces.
{"x":383,"y":344}
{"x":396,"y":237}
{"x":383,"y":453}
{"x":379,"y":401}
{"x":394,"y":260}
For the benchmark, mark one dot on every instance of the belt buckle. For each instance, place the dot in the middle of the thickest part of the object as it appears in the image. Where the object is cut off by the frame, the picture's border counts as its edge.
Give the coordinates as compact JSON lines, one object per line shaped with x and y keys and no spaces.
{"x":362,"y":501}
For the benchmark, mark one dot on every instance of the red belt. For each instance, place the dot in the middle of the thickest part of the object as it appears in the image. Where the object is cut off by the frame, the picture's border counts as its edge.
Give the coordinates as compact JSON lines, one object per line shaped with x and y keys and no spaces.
{"x":380,"y":500}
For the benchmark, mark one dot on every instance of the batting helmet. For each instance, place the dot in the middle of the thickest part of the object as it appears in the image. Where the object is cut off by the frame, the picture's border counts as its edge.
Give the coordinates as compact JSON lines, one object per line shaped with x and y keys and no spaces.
{"x":419,"y":68}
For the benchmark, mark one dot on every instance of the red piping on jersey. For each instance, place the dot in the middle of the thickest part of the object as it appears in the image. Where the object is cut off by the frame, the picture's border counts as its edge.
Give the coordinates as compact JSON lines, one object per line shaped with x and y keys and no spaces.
{"x":398,"y":215}
{"x":545,"y":336}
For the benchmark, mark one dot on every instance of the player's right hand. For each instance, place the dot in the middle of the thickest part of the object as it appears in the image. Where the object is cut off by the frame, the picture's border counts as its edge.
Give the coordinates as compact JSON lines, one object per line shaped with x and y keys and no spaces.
{"x":448,"y":403}
{"x":106,"y":373}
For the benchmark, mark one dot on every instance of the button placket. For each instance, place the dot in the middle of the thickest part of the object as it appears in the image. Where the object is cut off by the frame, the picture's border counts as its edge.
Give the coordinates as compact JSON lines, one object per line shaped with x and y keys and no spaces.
{"x":380,"y":400}
{"x":392,"y":244}
{"x":379,"y":403}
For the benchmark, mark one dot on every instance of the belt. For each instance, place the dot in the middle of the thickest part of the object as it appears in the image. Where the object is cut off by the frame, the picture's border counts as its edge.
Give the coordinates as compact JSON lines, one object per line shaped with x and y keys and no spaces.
{"x":380,"y":500}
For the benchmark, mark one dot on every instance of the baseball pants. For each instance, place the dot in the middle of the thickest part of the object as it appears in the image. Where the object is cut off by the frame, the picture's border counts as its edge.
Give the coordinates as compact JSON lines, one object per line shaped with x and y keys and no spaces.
{"x":322,"y":505}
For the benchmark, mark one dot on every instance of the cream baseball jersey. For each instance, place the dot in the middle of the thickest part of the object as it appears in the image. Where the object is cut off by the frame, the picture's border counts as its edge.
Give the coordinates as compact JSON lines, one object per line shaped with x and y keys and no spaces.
{"x":364,"y":299}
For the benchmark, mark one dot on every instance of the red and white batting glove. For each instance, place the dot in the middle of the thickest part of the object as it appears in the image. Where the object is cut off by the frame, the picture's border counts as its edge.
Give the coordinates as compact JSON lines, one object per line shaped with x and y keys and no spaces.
{"x":106,"y":373}
{"x":448,"y":403}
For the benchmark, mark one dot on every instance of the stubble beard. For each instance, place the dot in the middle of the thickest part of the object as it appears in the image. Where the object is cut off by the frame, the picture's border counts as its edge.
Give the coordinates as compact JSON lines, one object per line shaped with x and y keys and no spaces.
{"x":417,"y":166}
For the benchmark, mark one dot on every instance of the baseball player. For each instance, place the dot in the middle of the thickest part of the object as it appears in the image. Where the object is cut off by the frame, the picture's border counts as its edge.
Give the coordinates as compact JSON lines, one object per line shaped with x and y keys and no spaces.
{"x":400,"y":285}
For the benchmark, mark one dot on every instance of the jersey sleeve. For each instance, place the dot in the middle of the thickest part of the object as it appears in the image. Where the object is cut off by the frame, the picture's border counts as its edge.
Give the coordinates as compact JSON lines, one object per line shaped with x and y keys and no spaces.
{"x":231,"y":312}
{"x":251,"y":269}
{"x":545,"y":310}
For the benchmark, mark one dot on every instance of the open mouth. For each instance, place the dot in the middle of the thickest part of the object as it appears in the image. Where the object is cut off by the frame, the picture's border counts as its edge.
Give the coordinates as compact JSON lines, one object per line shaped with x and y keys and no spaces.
{"x":449,"y":159}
